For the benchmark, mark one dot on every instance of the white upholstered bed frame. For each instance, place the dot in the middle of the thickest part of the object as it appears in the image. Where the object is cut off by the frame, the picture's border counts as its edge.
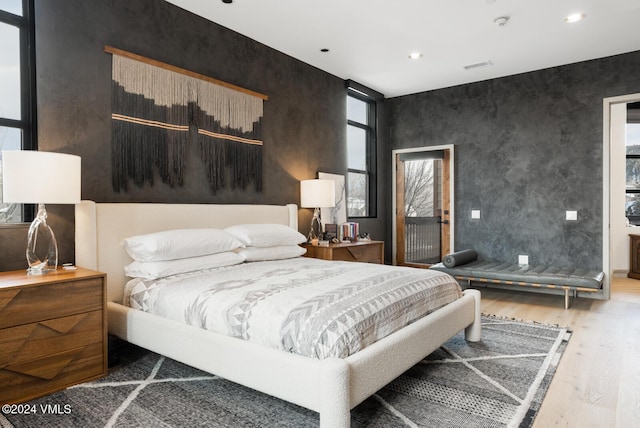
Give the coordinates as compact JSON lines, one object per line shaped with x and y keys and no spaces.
{"x":331,"y":387}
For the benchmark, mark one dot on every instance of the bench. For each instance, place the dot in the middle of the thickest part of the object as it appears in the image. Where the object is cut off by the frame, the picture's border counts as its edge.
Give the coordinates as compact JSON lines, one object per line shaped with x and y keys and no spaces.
{"x":568,"y":279}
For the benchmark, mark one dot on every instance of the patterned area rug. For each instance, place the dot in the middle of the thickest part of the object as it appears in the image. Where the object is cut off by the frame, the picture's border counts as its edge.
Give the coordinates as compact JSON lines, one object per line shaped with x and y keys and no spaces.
{"x":497,"y":382}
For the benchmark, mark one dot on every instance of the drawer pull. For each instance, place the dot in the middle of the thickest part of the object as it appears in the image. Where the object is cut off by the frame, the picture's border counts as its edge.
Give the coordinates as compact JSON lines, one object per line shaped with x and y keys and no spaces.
{"x":64,"y":325}
{"x":46,"y":368}
{"x":7,"y":296}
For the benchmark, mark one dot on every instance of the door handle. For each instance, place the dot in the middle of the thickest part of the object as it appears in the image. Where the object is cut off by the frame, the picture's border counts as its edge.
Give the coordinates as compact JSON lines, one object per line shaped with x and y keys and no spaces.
{"x":443,"y":221}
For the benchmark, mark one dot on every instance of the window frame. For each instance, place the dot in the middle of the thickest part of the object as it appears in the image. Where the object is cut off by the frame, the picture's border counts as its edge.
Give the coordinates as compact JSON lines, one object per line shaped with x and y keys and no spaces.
{"x":632,"y":118}
{"x":370,"y":97}
{"x":27,"y":123}
{"x":633,"y":219}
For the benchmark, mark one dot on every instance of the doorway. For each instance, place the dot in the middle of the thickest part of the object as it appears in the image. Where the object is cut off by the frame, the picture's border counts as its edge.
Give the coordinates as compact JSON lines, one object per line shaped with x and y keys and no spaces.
{"x":615,"y":254}
{"x":422,"y":205}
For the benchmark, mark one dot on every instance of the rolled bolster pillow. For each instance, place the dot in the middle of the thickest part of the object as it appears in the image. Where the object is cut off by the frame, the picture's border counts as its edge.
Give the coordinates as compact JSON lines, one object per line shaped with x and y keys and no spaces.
{"x":459,"y":258}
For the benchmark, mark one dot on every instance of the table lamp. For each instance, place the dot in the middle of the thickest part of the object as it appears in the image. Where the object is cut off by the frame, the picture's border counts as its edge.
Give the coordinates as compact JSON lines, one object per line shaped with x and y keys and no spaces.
{"x":317,"y":194}
{"x":35,"y":177}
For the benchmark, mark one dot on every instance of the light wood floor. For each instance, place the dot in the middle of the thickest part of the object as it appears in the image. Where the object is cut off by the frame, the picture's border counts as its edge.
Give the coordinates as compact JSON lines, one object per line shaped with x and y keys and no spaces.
{"x":597,"y":383}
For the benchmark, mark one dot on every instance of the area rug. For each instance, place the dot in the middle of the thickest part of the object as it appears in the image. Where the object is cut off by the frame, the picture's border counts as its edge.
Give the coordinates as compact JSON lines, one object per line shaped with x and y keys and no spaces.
{"x":497,"y":382}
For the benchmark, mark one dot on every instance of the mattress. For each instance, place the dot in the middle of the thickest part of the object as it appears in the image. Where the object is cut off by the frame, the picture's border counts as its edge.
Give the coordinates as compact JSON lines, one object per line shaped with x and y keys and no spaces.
{"x":307,"y":306}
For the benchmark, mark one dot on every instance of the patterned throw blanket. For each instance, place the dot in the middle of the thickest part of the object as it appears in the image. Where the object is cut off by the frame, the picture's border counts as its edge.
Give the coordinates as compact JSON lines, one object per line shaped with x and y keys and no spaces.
{"x":307,"y":306}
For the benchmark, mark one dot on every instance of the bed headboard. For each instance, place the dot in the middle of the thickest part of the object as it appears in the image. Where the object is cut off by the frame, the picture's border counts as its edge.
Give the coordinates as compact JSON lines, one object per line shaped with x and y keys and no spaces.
{"x":102,"y":227}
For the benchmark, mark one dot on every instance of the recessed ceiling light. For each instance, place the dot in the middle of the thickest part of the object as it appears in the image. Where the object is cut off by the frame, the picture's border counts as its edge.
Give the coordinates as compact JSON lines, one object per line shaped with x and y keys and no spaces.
{"x":415,"y":55}
{"x":574,"y":18}
{"x":227,"y":1}
{"x":324,"y":50}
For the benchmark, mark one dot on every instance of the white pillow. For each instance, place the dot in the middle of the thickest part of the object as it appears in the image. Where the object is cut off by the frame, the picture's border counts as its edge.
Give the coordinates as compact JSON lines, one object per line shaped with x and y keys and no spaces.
{"x":155,"y":270}
{"x":179,"y":244}
{"x":257,"y":254}
{"x":266,"y":235}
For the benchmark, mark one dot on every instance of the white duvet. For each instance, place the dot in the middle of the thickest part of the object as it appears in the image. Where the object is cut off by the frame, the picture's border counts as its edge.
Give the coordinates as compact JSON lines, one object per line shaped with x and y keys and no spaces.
{"x":312,"y":307}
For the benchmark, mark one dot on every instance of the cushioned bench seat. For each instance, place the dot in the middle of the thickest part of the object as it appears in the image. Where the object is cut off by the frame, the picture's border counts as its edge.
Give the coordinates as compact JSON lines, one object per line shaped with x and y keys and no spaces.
{"x":568,"y":279}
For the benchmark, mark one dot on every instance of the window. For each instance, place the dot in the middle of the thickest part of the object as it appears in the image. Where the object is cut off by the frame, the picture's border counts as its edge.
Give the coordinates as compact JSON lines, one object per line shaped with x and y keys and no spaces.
{"x":17,"y":90}
{"x":361,"y":151}
{"x":632,"y":200}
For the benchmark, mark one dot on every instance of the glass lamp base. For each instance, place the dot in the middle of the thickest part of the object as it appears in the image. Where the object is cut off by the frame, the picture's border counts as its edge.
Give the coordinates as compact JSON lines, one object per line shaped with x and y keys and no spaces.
{"x":315,"y":222}
{"x":38,"y":272}
{"x":42,"y":248}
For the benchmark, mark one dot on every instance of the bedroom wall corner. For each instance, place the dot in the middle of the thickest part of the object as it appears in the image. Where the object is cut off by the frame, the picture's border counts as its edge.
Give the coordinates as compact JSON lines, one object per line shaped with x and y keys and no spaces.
{"x":528,"y":148}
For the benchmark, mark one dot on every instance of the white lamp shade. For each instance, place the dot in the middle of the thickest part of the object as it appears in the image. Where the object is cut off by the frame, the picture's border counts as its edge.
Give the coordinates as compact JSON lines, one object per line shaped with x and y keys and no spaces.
{"x":35,"y":177}
{"x":317,"y":193}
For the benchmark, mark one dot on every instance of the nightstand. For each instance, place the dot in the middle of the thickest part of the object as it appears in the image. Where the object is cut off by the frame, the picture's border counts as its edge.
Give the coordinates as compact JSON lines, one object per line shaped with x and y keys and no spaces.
{"x":360,"y":251}
{"x":634,"y":257}
{"x":53,"y":332}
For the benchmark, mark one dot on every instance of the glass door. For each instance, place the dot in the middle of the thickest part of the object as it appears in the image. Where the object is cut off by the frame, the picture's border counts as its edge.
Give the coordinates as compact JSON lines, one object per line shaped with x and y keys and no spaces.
{"x":422,"y":207}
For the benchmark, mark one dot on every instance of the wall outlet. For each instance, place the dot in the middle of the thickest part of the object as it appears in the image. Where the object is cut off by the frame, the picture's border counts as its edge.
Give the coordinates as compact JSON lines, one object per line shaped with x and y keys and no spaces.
{"x":572,"y":215}
{"x":523,"y":260}
{"x":475,"y":213}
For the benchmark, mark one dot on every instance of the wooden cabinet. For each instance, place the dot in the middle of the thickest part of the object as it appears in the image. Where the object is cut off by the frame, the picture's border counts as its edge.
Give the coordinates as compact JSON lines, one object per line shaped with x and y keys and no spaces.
{"x":360,"y":251}
{"x":52,"y":332}
{"x":634,"y":262}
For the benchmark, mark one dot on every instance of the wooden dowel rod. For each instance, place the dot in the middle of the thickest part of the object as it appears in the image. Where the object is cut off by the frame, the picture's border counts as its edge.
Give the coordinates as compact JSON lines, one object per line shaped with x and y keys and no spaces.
{"x":120,"y":52}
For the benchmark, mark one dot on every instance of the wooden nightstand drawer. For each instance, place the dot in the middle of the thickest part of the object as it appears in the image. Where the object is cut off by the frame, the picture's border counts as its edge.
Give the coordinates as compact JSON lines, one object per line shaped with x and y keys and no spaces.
{"x":26,"y":305}
{"x":367,"y":253}
{"x":361,"y":251}
{"x":49,"y":374}
{"x":38,"y":340}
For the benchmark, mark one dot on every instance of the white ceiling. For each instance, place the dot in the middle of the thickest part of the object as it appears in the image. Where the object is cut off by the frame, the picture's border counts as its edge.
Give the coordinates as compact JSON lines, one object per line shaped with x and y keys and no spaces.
{"x":369,"y":41}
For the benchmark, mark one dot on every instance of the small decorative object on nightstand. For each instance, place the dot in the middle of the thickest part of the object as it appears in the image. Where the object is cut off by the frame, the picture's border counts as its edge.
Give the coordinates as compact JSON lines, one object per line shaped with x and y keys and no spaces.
{"x":359,"y":251}
{"x":53,"y":332}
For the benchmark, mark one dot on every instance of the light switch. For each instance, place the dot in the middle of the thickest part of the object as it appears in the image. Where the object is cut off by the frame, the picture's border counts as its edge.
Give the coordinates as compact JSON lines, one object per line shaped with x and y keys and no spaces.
{"x":475,"y":213}
{"x":523,"y":260}
{"x":572,"y":215}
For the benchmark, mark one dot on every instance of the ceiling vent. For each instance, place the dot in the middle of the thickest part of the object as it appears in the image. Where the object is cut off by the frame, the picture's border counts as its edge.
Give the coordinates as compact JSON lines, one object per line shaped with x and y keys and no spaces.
{"x":501,"y":21}
{"x":478,"y":65}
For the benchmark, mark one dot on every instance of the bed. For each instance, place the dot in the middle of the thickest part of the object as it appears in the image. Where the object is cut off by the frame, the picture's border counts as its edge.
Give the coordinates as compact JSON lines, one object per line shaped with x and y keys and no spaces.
{"x":330,"y":386}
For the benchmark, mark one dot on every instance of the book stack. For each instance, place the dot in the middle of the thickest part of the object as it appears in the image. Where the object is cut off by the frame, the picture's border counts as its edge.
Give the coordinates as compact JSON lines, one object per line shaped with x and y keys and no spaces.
{"x":349,"y":231}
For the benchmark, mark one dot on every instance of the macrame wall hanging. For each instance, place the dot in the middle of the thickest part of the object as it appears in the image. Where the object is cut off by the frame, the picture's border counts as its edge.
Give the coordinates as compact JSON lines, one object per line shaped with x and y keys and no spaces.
{"x":158,"y":110}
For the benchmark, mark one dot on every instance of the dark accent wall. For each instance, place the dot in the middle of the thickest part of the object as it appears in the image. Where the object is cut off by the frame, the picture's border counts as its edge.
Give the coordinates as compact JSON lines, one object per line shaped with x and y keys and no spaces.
{"x":527,"y":148}
{"x":304,"y":118}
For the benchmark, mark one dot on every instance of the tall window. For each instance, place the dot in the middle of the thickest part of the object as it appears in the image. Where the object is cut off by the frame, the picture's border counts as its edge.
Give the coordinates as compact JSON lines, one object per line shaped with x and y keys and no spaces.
{"x":632,"y":200}
{"x":17,"y":88}
{"x":361,"y":153}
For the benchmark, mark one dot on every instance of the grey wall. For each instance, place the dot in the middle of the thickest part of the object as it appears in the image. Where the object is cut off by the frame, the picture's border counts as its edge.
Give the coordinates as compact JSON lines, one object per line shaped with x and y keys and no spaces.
{"x":304,"y":118}
{"x":527,"y":148}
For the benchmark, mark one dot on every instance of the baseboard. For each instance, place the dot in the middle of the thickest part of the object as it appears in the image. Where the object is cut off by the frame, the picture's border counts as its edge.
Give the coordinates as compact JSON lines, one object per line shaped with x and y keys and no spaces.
{"x":619,"y":273}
